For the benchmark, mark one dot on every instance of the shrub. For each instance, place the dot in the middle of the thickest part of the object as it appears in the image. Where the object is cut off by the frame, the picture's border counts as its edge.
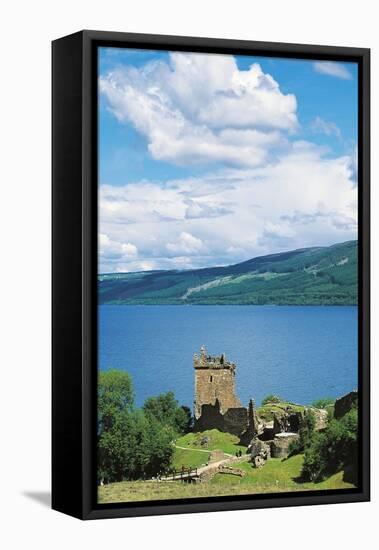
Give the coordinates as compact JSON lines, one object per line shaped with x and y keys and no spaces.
{"x":167,"y":411}
{"x":333,"y":449}
{"x":306,"y":434}
{"x":323,"y":403}
{"x":132,"y":443}
{"x":271,"y":399}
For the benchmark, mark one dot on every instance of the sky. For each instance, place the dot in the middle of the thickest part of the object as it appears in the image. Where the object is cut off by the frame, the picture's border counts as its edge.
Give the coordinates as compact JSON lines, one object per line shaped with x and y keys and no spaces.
{"x":208,"y":159}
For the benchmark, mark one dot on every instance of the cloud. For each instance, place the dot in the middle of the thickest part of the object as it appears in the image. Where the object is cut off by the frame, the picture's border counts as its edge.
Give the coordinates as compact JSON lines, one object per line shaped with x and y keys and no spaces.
{"x":115,"y":251}
{"x":201,"y":209}
{"x":321,"y":126}
{"x":186,"y":244}
{"x":261,"y":189}
{"x":201,"y":109}
{"x":303,"y":199}
{"x":332,"y":68}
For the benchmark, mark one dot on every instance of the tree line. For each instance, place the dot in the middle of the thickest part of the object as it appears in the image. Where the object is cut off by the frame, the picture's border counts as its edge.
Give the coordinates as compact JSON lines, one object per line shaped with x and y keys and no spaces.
{"x":135,"y":443}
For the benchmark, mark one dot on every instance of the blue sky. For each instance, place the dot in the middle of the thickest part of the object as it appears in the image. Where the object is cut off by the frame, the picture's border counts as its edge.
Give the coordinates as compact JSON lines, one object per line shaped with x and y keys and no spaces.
{"x":198,"y":134}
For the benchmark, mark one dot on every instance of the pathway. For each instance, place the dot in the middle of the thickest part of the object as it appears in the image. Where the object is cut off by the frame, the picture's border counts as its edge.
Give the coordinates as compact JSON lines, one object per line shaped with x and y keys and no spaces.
{"x":202,"y":469}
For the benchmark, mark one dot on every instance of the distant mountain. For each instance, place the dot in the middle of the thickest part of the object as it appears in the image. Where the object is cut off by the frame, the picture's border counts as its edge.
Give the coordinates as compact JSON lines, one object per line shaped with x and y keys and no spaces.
{"x":318,"y":275}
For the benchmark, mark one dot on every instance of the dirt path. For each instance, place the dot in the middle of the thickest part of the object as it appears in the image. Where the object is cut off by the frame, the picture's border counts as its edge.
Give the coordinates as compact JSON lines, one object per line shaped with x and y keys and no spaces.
{"x":212,"y":465}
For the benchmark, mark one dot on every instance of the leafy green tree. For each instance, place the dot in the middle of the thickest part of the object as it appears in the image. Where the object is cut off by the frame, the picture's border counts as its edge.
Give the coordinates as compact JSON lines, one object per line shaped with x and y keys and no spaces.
{"x":132,"y":444}
{"x":333,"y":449}
{"x":306,"y":434}
{"x":271,"y":399}
{"x":323,"y":403}
{"x":189,"y":419}
{"x":167,"y":411}
{"x":153,"y":449}
{"x":114,"y":395}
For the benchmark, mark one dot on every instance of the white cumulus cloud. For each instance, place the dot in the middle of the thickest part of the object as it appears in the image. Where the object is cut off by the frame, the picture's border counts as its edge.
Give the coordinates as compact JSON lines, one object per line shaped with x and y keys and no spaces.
{"x":303,"y":199}
{"x":202,"y":109}
{"x":185,"y":244}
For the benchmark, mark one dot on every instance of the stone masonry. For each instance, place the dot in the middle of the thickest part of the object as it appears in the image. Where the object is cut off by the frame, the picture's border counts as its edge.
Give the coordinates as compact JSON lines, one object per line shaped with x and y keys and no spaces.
{"x":216,"y":404}
{"x":214,"y":380}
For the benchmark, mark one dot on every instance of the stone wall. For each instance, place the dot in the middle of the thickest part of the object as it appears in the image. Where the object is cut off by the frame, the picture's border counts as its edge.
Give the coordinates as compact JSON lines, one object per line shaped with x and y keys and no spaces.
{"x":234,"y":420}
{"x":214,"y":380}
{"x":279,"y":446}
{"x":345,"y":403}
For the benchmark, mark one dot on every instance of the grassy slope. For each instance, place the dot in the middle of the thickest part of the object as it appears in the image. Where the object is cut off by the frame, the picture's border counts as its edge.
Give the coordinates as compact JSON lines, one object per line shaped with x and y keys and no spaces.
{"x":194,"y":454}
{"x":276,"y":476}
{"x":217,"y":440}
{"x":266,"y":411}
{"x":323,"y":275}
{"x":189,"y":458}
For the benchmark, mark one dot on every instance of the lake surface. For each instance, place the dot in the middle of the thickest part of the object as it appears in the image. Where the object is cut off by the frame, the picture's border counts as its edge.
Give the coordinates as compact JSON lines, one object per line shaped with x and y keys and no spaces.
{"x":301,"y":353}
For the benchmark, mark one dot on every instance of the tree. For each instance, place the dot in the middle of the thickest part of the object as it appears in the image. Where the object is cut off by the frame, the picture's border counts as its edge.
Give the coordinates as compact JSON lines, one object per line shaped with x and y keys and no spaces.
{"x":189,"y":419}
{"x":323,"y":403}
{"x":153,"y":449}
{"x":115,"y":400}
{"x":271,"y":399}
{"x":114,"y":395}
{"x":333,"y":449}
{"x":306,"y":434}
{"x":131,"y":443}
{"x":167,"y":411}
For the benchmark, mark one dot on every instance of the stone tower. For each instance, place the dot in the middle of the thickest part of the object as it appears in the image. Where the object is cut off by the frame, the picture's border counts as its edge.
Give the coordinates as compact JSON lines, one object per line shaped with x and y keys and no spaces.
{"x":214,"y":381}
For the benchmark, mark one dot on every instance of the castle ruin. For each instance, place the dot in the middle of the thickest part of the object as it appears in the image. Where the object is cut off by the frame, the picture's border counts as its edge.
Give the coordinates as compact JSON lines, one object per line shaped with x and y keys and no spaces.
{"x":216,"y":404}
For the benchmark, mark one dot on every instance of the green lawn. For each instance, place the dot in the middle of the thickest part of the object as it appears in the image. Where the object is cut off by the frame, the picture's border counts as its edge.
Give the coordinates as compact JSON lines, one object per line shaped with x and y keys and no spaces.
{"x":217,"y":440}
{"x":282,"y":474}
{"x":189,"y":459}
{"x":277,"y":476}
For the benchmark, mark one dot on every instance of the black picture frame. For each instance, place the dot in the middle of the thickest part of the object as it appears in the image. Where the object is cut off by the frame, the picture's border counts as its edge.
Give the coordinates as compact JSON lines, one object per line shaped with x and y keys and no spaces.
{"x":74,"y":272}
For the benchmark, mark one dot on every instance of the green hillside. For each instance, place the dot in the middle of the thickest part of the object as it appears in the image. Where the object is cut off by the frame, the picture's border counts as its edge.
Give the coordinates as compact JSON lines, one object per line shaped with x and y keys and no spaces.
{"x":318,"y":275}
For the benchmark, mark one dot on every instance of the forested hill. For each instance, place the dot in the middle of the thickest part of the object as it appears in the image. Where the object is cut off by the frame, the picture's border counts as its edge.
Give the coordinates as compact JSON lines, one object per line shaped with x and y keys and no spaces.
{"x":318,"y":275}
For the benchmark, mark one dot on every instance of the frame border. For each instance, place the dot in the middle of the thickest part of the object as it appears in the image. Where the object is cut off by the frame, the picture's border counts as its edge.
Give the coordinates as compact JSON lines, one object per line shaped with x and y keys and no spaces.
{"x":75,"y":244}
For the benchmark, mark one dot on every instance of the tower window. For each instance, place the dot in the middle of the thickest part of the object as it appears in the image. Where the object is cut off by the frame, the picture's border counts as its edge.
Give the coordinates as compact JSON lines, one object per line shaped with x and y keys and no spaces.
{"x":210,"y":378}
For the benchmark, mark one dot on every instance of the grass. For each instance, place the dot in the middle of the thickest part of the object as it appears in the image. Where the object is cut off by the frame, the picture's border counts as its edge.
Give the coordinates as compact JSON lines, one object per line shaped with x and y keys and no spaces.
{"x":266,"y":411}
{"x":189,"y":458}
{"x":217,"y":440}
{"x":277,"y":476}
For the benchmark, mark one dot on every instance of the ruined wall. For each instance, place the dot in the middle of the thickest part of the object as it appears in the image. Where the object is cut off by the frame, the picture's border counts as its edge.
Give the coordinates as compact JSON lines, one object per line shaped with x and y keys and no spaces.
{"x":281,"y":443}
{"x":210,"y":418}
{"x":214,"y":379}
{"x":253,"y":427}
{"x":345,"y":403}
{"x":234,"y":421}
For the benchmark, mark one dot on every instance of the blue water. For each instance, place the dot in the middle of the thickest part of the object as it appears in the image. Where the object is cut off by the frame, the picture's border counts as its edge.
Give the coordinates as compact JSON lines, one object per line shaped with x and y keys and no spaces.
{"x":298,"y":352}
